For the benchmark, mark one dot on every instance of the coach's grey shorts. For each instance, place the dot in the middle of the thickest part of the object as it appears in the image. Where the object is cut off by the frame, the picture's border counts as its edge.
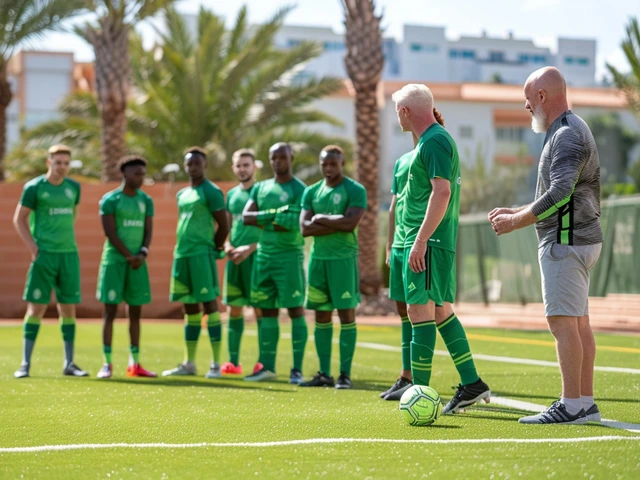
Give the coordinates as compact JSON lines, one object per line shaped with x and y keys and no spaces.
{"x":565,"y":277}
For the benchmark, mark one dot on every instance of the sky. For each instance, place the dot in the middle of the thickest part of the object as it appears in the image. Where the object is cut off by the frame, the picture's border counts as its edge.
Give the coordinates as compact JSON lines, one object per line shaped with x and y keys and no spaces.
{"x":541,"y":20}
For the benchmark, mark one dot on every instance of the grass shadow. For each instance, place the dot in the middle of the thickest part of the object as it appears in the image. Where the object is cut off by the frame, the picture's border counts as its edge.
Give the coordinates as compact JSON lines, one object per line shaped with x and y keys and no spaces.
{"x":183,"y":382}
{"x":553,"y":398}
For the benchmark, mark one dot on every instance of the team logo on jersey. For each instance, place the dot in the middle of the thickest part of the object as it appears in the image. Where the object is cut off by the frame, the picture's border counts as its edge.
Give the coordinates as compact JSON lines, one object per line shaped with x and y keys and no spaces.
{"x":336,"y":198}
{"x":459,"y":180}
{"x":37,"y":294}
{"x":346,"y":296}
{"x":296,"y":294}
{"x":411,"y":176}
{"x":141,"y":206}
{"x":284,"y":196}
{"x":411,"y":287}
{"x":204,"y":291}
{"x":112,"y":295}
{"x":45,"y":195}
{"x":68,"y":192}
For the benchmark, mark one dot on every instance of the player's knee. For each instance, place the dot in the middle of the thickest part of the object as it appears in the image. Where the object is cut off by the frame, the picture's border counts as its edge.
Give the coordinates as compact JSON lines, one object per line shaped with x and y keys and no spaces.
{"x":235,"y":311}
{"x":402,"y":308}
{"x":36,"y":310}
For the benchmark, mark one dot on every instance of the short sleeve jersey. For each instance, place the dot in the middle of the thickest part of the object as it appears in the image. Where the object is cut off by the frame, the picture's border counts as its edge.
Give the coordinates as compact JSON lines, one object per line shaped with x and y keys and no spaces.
{"x":435,"y":156}
{"x":270,"y":194}
{"x":53,"y":213}
{"x":398,"y":184}
{"x":196,"y":227}
{"x":322,"y":199}
{"x":130,"y":214}
{"x":241,"y":234}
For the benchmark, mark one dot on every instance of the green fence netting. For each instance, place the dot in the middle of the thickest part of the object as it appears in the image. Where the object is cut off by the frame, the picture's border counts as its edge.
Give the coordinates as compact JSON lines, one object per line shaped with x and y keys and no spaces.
{"x":505,"y":269}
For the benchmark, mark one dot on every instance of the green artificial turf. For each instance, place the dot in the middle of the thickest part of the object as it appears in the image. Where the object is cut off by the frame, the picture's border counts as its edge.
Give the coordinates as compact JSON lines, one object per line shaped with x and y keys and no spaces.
{"x":48,"y":409}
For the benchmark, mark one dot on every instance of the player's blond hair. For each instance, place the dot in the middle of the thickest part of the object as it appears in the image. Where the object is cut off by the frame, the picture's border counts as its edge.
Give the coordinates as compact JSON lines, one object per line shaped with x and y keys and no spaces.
{"x":58,"y":148}
{"x":414,"y":95}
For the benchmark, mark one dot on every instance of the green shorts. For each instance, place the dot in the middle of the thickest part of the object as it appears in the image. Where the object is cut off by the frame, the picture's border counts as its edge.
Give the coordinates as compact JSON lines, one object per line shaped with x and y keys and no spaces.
{"x":194,"y":279}
{"x":119,"y":282}
{"x":278,"y":281}
{"x":236,"y":291}
{"x":59,"y":271}
{"x":396,"y":275}
{"x":333,"y":284}
{"x":437,"y":282}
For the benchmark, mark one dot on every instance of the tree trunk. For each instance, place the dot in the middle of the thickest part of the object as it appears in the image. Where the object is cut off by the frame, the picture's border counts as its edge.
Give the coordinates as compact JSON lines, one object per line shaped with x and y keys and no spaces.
{"x":5,"y":100}
{"x":364,"y":62}
{"x":113,"y":74}
{"x":367,"y":173}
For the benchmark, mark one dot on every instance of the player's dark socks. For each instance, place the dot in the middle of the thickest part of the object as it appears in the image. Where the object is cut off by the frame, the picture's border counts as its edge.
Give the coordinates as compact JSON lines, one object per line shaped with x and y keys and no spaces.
{"x":407,"y":333}
{"x":236,"y":328}
{"x":299,"y":335}
{"x":348,"y":337}
{"x":192,"y":327}
{"x":422,"y":346}
{"x":324,"y":338}
{"x":214,"y":327}
{"x":269,"y":342}
{"x":31,"y":327}
{"x":455,"y":338}
{"x":319,"y":380}
{"x":68,"y":330}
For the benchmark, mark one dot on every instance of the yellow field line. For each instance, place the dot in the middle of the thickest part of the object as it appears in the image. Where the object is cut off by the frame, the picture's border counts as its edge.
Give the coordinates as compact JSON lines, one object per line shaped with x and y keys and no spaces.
{"x":545,"y":343}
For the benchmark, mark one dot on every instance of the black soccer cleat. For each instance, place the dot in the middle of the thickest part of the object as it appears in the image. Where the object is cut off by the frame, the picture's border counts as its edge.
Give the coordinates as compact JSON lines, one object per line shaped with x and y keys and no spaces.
{"x":319,"y":380}
{"x":593,"y":414}
{"x":401,"y":383}
{"x":344,"y":382}
{"x":72,"y":370}
{"x":468,"y":395}
{"x":556,"y":414}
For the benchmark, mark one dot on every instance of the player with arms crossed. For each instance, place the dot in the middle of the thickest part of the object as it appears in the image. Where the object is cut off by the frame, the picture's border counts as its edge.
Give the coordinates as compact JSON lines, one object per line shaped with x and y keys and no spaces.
{"x":331,"y":211}
{"x":127,"y":220}
{"x":278,"y":272}
{"x":243,"y":242}
{"x":44,"y":220}
{"x":194,"y":277}
{"x":431,"y":214}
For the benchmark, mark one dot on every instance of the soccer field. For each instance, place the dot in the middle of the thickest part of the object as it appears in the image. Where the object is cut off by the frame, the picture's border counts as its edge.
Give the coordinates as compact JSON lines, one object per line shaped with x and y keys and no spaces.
{"x":197,"y":428}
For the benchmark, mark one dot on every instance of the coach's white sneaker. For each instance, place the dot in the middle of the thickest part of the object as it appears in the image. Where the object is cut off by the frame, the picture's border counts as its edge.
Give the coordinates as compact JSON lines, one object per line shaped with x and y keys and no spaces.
{"x":593,"y":414}
{"x":556,"y":414}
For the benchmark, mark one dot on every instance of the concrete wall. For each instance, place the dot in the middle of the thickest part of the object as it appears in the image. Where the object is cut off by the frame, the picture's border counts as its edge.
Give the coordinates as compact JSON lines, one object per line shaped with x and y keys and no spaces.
{"x":14,"y":257}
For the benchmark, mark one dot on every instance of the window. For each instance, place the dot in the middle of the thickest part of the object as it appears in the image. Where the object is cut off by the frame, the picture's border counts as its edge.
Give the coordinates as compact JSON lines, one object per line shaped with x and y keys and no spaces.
{"x":510,"y":134}
{"x":539,"y":59}
{"x":466,"y":131}
{"x":293,"y":42}
{"x":583,"y":61}
{"x":568,"y":60}
{"x":496,"y":57}
{"x":422,"y":47}
{"x":468,"y":54}
{"x":334,"y":46}
{"x":527,"y":57}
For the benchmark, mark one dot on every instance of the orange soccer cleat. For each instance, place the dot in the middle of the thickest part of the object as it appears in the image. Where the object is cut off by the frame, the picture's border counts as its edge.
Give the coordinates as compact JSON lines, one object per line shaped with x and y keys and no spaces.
{"x":136,"y":370}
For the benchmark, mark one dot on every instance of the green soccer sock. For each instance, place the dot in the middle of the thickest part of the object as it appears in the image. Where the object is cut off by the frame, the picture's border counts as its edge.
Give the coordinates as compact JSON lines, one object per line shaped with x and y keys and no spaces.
{"x":134,"y":355}
{"x":407,"y":335}
{"x":236,"y":327}
{"x":269,"y":342}
{"x":299,"y":335}
{"x":68,"y":329}
{"x":348,"y":335}
{"x":192,"y":327}
{"x":422,"y":346}
{"x":30,"y":332}
{"x":106,"y":353}
{"x":214,"y":326}
{"x":323,"y":338}
{"x":455,"y":338}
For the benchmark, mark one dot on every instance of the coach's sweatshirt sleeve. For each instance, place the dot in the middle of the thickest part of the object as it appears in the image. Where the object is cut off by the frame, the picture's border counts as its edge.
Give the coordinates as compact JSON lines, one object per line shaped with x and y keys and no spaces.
{"x":568,"y":157}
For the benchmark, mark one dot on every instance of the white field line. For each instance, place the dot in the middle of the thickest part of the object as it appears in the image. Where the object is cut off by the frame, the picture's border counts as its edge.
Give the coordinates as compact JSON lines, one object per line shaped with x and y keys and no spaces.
{"x":313,"y":441}
{"x":534,"y":407}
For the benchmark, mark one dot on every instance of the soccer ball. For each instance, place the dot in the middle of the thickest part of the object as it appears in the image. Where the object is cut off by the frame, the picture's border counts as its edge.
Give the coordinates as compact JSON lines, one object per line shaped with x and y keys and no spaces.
{"x":420,"y":405}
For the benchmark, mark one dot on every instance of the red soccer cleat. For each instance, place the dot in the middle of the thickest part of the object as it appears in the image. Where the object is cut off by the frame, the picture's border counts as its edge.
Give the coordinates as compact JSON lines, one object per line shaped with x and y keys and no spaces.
{"x":257,"y":368}
{"x":137,"y":371}
{"x":229,"y":368}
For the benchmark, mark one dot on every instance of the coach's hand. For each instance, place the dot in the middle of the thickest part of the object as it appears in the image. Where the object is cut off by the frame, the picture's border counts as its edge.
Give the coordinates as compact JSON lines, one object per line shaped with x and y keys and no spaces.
{"x":499,"y":211}
{"x":240,"y":254}
{"x":416,"y":257}
{"x":503,"y":224}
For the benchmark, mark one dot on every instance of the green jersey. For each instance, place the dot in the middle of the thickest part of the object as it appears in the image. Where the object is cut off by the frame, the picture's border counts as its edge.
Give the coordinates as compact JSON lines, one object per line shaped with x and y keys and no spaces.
{"x":130,"y":213}
{"x":435,"y":156}
{"x":241,"y":234}
{"x":271,"y":194}
{"x":196,"y":227}
{"x":322,"y":199}
{"x":398,"y":184}
{"x":53,"y":213}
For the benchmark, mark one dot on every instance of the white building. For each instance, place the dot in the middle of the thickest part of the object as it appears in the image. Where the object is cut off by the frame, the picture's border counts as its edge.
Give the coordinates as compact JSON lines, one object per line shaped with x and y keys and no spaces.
{"x":39,"y":82}
{"x":426,"y":54}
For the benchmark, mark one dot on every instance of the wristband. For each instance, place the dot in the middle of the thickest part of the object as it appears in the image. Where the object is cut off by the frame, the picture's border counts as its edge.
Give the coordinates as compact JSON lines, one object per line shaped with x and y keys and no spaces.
{"x":144,"y":251}
{"x":265,"y":217}
{"x":219,"y":253}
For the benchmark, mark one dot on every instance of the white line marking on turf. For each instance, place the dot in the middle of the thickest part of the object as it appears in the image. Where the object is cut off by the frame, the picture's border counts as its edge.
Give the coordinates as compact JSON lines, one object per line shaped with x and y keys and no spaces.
{"x":493,"y":358}
{"x":534,"y":407}
{"x":312,"y":441}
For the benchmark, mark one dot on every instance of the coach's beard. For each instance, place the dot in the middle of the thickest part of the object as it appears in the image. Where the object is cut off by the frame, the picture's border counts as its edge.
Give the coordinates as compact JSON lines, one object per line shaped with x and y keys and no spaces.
{"x":539,"y":121}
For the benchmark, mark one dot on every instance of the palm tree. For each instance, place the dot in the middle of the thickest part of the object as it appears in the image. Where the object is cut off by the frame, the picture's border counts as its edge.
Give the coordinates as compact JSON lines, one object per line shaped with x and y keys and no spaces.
{"x":227,"y":89}
{"x":364,"y":62}
{"x":109,"y":37}
{"x":630,"y":83}
{"x":21,"y":21}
